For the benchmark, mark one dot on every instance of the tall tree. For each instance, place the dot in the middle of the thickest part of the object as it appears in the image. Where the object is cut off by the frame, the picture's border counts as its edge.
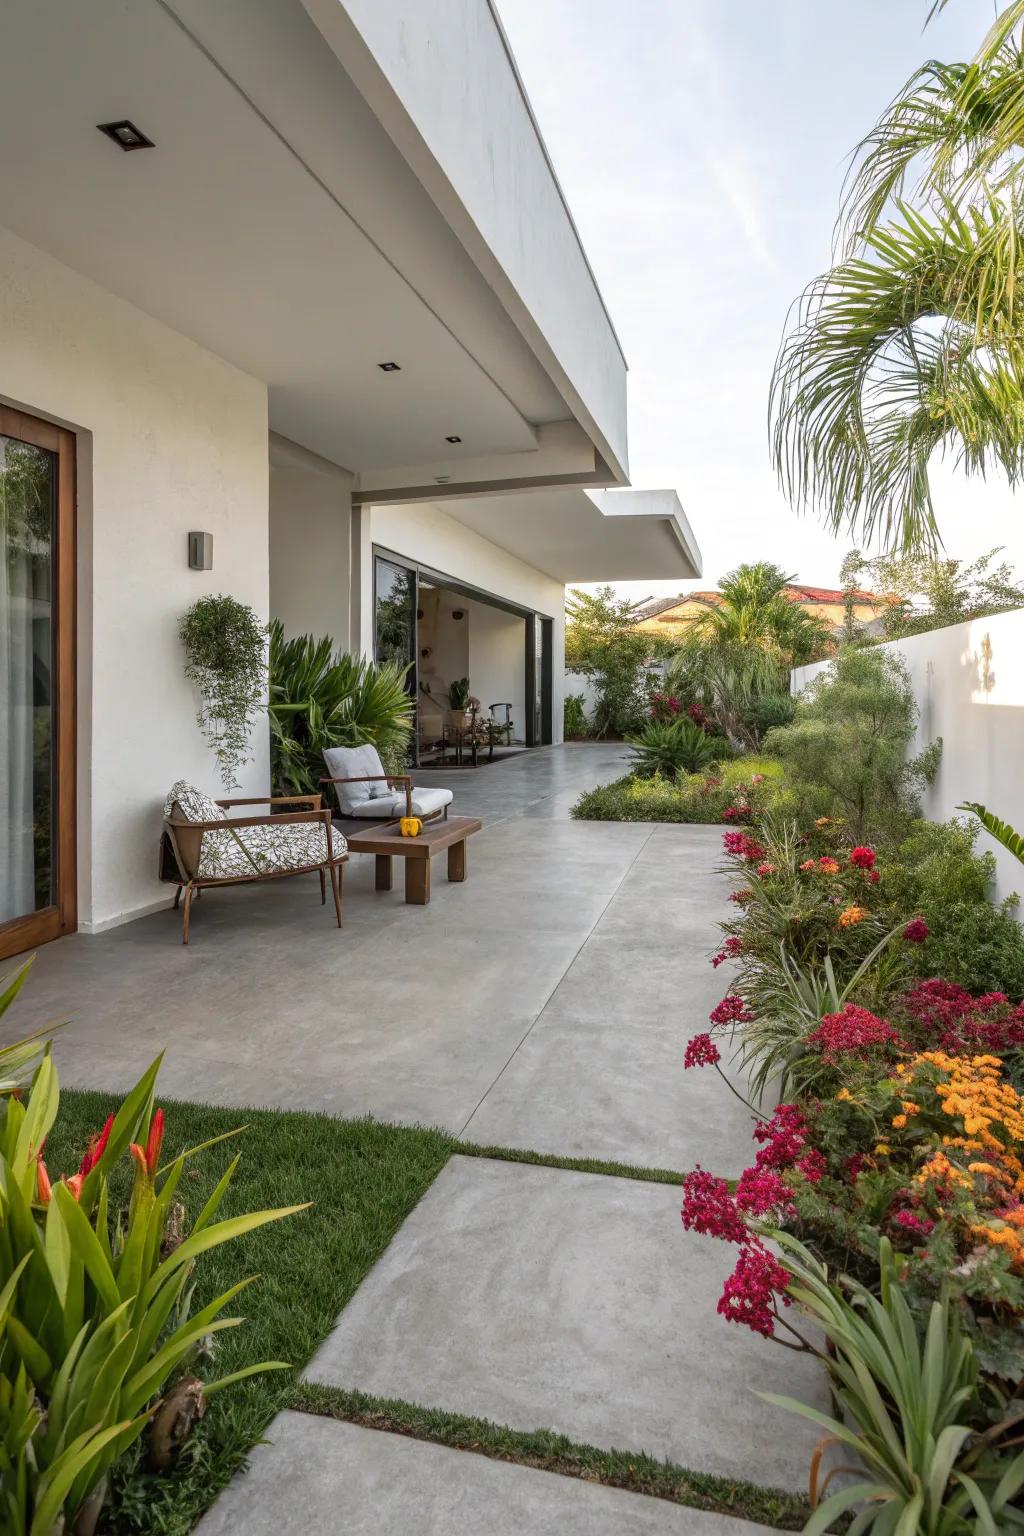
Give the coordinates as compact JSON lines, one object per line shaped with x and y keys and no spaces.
{"x":912,"y":345}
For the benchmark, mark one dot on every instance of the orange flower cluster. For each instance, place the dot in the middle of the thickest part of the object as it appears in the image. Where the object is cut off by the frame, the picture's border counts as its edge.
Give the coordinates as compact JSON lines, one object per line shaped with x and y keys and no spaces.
{"x":991,"y":1115}
{"x":849,"y":917}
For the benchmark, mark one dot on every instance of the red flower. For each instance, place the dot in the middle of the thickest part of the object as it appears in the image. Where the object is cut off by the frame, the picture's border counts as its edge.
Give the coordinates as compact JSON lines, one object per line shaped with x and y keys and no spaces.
{"x":863,"y":858}
{"x":731,"y":1010}
{"x":148,"y":1160}
{"x":916,"y":931}
{"x":910,"y":1221}
{"x":749,"y":1293}
{"x":732,"y":947}
{"x":709,"y":1208}
{"x":741,"y":846}
{"x":96,"y":1148}
{"x":741,"y":897}
{"x":873,"y":876}
{"x":782,"y":1138}
{"x":701,"y":1051}
{"x":851,"y":1031}
{"x":765,"y":869}
{"x":44,"y":1189}
{"x":760,"y":1190}
{"x":813,"y":1166}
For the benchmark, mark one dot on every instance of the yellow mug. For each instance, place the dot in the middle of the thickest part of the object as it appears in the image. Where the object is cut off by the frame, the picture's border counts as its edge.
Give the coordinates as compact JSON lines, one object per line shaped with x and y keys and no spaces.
{"x":410,"y":826}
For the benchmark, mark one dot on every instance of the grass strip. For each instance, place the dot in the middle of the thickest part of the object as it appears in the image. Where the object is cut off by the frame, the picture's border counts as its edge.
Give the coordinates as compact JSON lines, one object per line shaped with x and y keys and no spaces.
{"x":574,"y":1164}
{"x":551,"y":1452}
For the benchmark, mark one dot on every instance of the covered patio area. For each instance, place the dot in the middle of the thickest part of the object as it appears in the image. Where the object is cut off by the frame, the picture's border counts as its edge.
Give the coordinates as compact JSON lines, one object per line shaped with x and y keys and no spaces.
{"x":504,"y":1011}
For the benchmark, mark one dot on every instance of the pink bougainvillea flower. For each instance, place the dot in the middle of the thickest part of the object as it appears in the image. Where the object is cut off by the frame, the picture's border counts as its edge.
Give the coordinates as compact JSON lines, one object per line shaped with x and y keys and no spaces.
{"x":863,"y":858}
{"x":709,"y":1208}
{"x":749,"y":1294}
{"x":916,"y":931}
{"x":731,"y":1010}
{"x":701,"y":1051}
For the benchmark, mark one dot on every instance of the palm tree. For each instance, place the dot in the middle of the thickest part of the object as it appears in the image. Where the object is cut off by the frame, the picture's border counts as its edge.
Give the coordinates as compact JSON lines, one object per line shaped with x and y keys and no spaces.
{"x":740,"y":649}
{"x":912,"y":345}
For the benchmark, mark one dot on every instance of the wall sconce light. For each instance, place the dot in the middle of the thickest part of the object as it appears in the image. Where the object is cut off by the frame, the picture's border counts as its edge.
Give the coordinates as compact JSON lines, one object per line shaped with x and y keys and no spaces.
{"x":200,"y":551}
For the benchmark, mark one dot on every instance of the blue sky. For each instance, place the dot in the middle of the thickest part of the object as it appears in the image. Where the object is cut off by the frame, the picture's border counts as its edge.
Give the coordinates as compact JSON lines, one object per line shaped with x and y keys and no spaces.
{"x":702,"y":147}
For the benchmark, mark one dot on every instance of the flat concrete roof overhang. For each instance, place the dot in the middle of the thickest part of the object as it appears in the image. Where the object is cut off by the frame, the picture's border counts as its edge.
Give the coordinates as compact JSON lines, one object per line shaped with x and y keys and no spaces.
{"x":333,"y":185}
{"x":575,"y":535}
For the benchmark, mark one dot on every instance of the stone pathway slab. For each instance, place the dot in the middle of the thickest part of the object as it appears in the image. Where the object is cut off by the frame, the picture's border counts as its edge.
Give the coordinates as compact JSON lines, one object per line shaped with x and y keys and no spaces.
{"x":543,"y":1298}
{"x":318,"y":1475}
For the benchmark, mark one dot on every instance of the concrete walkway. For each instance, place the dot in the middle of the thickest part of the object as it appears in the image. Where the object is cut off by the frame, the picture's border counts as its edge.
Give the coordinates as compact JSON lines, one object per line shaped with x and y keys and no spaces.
{"x":544,"y":1004}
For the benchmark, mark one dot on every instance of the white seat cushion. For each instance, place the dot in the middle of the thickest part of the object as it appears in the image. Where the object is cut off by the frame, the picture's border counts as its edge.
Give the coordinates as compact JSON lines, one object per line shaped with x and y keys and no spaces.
{"x":350,"y":763}
{"x":425,"y":802}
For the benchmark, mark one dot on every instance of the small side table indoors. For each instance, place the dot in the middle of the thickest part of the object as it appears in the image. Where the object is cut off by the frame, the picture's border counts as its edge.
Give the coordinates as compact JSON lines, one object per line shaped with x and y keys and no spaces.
{"x":387,"y":843}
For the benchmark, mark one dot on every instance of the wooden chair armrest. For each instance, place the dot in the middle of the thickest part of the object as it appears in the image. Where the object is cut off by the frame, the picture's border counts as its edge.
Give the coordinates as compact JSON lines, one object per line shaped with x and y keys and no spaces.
{"x":369,"y":778}
{"x":314,"y":801}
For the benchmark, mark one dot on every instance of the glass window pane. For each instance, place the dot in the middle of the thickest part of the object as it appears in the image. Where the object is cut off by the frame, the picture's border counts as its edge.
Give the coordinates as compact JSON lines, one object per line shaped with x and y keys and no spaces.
{"x":396,"y":614}
{"x":28,"y":477}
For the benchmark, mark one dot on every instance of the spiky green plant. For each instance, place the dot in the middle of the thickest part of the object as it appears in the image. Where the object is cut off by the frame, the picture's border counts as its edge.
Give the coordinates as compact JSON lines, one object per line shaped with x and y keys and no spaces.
{"x":671,"y":747}
{"x":320,"y":698}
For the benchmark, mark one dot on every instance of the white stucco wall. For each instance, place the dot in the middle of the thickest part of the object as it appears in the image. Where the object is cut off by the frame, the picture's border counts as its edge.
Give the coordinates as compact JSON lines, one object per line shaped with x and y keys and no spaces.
{"x":170,"y":439}
{"x":968,"y":680}
{"x":426,"y":534}
{"x":310,"y":543}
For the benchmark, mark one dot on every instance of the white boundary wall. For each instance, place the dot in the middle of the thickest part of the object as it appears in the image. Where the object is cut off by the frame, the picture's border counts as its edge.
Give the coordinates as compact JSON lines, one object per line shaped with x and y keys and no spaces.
{"x":968,"y":680}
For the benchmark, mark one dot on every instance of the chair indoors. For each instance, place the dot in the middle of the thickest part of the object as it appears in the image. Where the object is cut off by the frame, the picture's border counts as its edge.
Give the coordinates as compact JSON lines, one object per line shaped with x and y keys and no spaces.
{"x":366,"y":793}
{"x":202,"y":847}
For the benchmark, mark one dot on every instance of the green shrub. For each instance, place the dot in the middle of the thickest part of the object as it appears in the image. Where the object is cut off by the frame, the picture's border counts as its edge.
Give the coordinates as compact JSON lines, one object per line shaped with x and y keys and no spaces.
{"x":845,"y":753}
{"x":576,"y":726}
{"x":936,"y":872}
{"x":671,"y":747}
{"x":769,"y":711}
{"x":697,"y":798}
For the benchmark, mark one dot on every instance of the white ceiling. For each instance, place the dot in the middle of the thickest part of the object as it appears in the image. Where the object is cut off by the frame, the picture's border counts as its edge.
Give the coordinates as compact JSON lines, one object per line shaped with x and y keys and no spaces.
{"x":579,"y":536}
{"x":259,"y":224}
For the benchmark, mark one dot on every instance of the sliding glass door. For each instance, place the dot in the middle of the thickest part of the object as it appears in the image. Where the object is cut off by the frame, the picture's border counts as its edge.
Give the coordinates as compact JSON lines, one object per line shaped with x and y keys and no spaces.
{"x":37,"y":756}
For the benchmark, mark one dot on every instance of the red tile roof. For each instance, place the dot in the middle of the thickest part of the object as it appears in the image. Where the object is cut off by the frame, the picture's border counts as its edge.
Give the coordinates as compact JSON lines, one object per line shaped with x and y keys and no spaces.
{"x":796,"y":592}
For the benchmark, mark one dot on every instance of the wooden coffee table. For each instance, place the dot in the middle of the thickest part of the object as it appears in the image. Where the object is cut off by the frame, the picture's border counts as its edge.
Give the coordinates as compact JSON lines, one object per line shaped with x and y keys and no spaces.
{"x":387,"y":843}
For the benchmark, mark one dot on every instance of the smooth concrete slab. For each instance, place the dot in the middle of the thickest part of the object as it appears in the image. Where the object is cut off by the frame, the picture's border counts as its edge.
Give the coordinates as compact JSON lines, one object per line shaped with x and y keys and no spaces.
{"x":542,"y":1298}
{"x":318,"y":1475}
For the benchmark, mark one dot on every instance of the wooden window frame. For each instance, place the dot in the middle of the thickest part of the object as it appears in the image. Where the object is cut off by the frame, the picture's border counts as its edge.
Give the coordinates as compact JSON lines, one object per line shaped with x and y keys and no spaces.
{"x":34,"y":928}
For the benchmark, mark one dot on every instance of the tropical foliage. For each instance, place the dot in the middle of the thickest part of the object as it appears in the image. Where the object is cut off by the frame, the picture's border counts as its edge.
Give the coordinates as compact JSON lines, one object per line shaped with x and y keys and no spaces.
{"x":924,"y":592}
{"x":320,"y":698}
{"x":224,"y":645}
{"x":95,"y":1303}
{"x":603,"y":643}
{"x":1003,"y":833}
{"x":909,"y":347}
{"x":672,"y":747}
{"x":735,"y":658}
{"x":732,"y":792}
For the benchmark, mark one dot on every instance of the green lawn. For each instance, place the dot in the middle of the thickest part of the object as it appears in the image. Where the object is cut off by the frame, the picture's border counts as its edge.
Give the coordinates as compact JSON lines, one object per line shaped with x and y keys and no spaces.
{"x":363,"y":1178}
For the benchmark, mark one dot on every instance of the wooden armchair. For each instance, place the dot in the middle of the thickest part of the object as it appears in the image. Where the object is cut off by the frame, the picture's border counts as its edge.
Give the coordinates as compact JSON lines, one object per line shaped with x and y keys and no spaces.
{"x":200,"y":847}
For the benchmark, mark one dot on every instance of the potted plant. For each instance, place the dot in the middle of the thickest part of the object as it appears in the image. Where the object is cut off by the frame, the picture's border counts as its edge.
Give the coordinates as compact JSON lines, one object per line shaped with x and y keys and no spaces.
{"x":458,"y":700}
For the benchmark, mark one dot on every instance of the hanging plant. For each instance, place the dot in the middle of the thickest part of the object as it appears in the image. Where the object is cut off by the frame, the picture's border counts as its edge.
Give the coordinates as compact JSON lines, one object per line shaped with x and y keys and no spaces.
{"x":226,"y":663}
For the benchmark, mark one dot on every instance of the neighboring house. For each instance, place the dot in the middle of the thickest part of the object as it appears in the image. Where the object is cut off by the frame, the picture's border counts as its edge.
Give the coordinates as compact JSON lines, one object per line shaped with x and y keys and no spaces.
{"x":314,"y":290}
{"x":669,"y":615}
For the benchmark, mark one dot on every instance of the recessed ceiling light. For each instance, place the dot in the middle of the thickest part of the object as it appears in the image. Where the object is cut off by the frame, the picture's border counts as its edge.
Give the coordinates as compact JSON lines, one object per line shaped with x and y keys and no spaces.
{"x":126,"y":135}
{"x":389,"y":367}
{"x":453,"y":439}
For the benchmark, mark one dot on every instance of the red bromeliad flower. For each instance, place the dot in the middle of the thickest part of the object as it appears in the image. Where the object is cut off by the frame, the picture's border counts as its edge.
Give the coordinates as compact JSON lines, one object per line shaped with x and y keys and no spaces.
{"x":96,"y":1148}
{"x":852,"y":1031}
{"x":731,"y":1010}
{"x":701,"y":1051}
{"x":863,"y":858}
{"x":916,"y":931}
{"x":709,"y":1208}
{"x":44,"y":1189}
{"x":749,"y":1294}
{"x":148,"y":1160}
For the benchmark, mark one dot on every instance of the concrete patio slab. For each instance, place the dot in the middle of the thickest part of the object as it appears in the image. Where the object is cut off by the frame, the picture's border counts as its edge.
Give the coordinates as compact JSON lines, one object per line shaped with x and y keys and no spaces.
{"x":321,"y":1475}
{"x":543,"y":1298}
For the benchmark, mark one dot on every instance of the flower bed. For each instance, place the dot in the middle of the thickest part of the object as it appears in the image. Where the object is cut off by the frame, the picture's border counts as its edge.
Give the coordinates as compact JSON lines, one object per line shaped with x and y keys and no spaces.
{"x":885,"y":1195}
{"x":732,"y":793}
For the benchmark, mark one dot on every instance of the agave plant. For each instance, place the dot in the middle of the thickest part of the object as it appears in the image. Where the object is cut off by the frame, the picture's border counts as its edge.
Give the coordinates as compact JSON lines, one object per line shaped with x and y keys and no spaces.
{"x":908,"y":1404}
{"x":94,"y":1303}
{"x":674,"y":746}
{"x":320,"y":698}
